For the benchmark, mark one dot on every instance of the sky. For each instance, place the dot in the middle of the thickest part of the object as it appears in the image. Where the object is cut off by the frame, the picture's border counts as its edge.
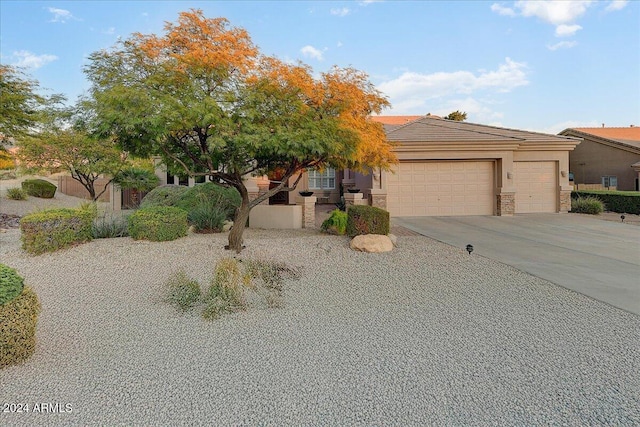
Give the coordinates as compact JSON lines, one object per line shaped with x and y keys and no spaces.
{"x":534,"y":65}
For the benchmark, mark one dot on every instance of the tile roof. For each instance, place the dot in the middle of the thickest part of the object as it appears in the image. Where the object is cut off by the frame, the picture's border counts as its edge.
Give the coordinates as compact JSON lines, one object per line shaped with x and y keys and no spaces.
{"x":394,"y":120}
{"x":627,"y":136}
{"x":433,"y":129}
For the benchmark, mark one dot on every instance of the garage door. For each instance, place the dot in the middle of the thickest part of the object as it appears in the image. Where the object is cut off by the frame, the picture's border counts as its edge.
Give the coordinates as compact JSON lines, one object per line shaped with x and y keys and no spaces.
{"x":536,"y":187}
{"x":441,"y":189}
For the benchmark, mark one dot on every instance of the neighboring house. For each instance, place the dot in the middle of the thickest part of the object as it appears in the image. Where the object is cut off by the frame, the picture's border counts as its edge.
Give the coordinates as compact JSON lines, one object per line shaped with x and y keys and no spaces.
{"x":451,"y":168}
{"x":609,"y":157}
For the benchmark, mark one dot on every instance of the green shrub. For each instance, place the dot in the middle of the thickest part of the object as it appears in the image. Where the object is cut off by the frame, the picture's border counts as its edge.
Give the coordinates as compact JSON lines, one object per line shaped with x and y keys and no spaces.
{"x":207,"y":217}
{"x":11,"y":284}
{"x":336,"y":223}
{"x":614,"y":201}
{"x":227,"y":198}
{"x":110,"y":225}
{"x":39,"y":188}
{"x":182,"y":291}
{"x":226,"y":292}
{"x":165,"y":195}
{"x":363,"y":219}
{"x":53,"y":229}
{"x":16,"y":194}
{"x":158,"y":223}
{"x":587,"y":205}
{"x":18,"y":319}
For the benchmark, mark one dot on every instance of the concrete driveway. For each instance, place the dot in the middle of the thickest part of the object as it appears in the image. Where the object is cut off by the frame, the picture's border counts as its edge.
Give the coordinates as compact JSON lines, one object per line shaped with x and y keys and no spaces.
{"x":597,"y":258}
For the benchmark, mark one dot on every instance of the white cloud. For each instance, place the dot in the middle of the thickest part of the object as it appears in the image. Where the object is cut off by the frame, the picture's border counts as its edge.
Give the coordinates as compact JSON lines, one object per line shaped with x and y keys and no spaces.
{"x":30,"y":60}
{"x":564,"y":30}
{"x":554,"y":12}
{"x":411,"y":91}
{"x":501,"y":10}
{"x":559,"y":127}
{"x":311,"y":52}
{"x":368,"y":2}
{"x":60,"y":15}
{"x":477,"y":110}
{"x":340,"y":11}
{"x":562,"y":45}
{"x":616,"y":5}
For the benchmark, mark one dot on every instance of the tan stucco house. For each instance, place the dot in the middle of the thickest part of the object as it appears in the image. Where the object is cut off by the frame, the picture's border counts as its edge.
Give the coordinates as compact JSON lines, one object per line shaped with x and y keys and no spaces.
{"x":609,"y":157}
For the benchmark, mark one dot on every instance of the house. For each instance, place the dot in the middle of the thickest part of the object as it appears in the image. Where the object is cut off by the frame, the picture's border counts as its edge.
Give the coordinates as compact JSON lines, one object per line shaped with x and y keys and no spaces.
{"x":453,"y":168}
{"x":608,"y":157}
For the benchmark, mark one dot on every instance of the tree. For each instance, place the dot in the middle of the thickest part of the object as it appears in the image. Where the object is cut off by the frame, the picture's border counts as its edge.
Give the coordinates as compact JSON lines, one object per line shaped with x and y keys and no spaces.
{"x":203,"y":98}
{"x":457,"y":116}
{"x":73,"y":150}
{"x":22,"y":109}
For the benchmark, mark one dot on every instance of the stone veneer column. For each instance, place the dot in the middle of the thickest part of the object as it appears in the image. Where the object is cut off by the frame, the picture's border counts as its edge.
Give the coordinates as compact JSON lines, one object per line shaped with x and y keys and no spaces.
{"x":506,"y":204}
{"x":565,"y":199}
{"x":354,"y":199}
{"x":378,"y":198}
{"x":308,"y":210}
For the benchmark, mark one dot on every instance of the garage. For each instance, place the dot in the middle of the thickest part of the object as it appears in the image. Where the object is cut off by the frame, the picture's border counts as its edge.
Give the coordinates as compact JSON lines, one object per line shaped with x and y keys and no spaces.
{"x":536,"y":187}
{"x":441,"y":188}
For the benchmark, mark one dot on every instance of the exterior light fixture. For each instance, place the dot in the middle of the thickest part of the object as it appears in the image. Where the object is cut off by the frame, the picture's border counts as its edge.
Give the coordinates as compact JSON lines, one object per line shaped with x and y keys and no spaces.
{"x":622,"y":217}
{"x":563,"y":173}
{"x":469,"y":248}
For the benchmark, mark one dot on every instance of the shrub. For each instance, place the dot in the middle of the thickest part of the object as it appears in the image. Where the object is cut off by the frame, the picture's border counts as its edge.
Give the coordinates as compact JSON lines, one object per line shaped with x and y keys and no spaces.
{"x":271,"y":276}
{"x":39,"y":188}
{"x":53,"y":229}
{"x":11,"y":284}
{"x":16,"y":194}
{"x":363,"y":219}
{"x":207,"y":217}
{"x":336,"y":223}
{"x":587,"y":205}
{"x":8,"y":174}
{"x":614,"y":201}
{"x":227,"y":198}
{"x":165,"y":195}
{"x":226,"y":293}
{"x":182,"y":292}
{"x":18,"y":319}
{"x":6,"y":160}
{"x":109,"y":225}
{"x":158,"y":223}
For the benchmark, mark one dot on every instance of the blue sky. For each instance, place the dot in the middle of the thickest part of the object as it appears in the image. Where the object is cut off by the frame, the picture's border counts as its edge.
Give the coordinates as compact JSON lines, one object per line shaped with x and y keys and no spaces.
{"x":536,"y":65}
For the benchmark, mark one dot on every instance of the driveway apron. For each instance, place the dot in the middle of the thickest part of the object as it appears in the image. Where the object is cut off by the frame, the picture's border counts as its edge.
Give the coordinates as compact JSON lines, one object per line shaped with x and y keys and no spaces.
{"x":597,"y":258}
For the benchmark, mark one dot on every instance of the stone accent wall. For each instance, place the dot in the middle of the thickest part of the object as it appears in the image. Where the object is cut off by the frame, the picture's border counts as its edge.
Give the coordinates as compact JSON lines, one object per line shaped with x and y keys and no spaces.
{"x":308,"y":210}
{"x":379,"y":201}
{"x":565,"y":200}
{"x":354,"y":199}
{"x":506,"y":204}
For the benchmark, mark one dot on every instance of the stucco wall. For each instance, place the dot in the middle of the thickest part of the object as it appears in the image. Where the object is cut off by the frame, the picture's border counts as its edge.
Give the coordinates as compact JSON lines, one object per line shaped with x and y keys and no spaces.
{"x":601,"y":160}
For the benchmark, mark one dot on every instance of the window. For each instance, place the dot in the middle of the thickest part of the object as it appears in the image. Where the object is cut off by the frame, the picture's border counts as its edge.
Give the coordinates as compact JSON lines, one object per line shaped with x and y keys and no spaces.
{"x":609,"y":181}
{"x":325,"y":180}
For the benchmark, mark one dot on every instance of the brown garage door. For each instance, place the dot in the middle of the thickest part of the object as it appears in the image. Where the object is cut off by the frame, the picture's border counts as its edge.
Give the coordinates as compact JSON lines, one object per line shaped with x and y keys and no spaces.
{"x":441,"y":189}
{"x":536,"y":187}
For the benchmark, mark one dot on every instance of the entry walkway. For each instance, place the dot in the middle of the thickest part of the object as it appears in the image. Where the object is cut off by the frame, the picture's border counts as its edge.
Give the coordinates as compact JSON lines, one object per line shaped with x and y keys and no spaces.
{"x":597,"y":258}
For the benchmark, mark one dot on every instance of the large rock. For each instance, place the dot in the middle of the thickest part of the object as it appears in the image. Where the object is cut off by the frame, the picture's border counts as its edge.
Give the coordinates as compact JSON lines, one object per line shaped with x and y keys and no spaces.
{"x":371,"y":243}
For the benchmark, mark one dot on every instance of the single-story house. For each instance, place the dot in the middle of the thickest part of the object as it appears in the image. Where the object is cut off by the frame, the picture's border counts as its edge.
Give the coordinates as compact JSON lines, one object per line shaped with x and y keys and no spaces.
{"x":608,"y":157}
{"x":449,"y":168}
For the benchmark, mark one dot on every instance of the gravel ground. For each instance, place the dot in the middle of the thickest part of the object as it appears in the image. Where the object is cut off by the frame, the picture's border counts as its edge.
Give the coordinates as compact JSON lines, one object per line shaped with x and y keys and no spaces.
{"x":423,"y":335}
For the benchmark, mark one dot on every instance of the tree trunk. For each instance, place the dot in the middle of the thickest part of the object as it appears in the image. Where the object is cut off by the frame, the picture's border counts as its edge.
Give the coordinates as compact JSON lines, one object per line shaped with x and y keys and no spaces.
{"x":239,"y":223}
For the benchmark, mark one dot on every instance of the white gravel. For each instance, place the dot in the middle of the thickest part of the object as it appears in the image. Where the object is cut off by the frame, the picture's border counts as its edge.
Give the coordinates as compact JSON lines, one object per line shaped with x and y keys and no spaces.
{"x":423,"y":335}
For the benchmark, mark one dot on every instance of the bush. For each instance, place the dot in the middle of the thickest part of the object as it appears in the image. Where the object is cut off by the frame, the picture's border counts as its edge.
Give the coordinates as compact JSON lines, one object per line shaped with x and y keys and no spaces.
{"x":587,"y":205}
{"x":54,"y":229}
{"x":39,"y":188}
{"x":182,"y":292}
{"x":225,"y":293}
{"x":11,"y":284}
{"x":158,"y":223}
{"x":109,"y":225}
{"x":336,"y":223}
{"x":6,"y":160}
{"x":207,"y":217}
{"x":18,"y":319}
{"x":614,"y":201}
{"x":363,"y":219}
{"x":227,"y":198}
{"x":16,"y":194}
{"x":165,"y":195}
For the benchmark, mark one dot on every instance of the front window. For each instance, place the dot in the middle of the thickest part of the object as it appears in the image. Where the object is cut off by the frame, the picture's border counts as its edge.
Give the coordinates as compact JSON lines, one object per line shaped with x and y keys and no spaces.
{"x":609,"y":181}
{"x":325,"y":180}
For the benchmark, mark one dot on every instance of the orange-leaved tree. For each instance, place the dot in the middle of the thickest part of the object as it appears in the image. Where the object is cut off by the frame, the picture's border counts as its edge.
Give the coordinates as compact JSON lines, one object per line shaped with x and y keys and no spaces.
{"x":203,"y":97}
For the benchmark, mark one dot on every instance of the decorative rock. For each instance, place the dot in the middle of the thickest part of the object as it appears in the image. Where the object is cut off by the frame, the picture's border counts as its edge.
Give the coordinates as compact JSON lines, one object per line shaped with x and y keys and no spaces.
{"x":373,"y":243}
{"x":227,"y":225}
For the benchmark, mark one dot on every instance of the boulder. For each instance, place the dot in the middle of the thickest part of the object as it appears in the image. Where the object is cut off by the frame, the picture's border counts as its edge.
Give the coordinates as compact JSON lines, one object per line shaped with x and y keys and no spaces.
{"x":227,"y":225}
{"x":373,"y":243}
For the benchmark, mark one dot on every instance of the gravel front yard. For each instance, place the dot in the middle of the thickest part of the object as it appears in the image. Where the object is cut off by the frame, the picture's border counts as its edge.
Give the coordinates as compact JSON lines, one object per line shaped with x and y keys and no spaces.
{"x":423,"y":335}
